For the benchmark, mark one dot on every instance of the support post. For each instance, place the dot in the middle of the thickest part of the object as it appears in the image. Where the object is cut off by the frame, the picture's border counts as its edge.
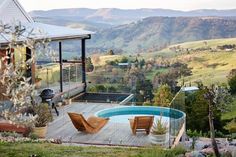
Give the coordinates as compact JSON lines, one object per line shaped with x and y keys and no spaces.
{"x":83,"y":58}
{"x":61,"y":69}
{"x":30,"y":72}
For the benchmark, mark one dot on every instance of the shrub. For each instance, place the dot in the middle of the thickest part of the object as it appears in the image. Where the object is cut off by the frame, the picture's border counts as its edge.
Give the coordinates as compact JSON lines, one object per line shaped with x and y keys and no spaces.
{"x":44,"y":115}
{"x":232,"y":81}
{"x":159,"y":128}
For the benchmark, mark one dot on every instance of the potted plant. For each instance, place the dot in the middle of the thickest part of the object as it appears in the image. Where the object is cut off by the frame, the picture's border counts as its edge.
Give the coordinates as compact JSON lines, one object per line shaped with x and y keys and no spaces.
{"x":159,"y":132}
{"x":44,"y":116}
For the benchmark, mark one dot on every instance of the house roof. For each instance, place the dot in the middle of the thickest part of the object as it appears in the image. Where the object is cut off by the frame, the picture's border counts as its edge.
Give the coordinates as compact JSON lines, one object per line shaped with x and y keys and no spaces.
{"x":188,"y":89}
{"x":42,"y":31}
{"x":11,"y":12}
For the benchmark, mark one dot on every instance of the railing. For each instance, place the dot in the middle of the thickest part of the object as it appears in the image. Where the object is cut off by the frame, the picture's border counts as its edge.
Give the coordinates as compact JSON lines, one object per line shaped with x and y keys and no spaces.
{"x":126,"y":100}
{"x":177,"y":129}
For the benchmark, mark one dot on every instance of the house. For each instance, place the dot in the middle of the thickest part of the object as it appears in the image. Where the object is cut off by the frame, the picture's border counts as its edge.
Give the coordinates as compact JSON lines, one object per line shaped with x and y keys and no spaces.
{"x":12,"y":12}
{"x":190,"y":89}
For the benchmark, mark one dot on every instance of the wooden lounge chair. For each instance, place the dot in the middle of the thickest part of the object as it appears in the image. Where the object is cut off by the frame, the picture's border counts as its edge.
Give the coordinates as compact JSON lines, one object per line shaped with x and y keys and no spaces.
{"x":91,"y":125}
{"x":141,"y":123}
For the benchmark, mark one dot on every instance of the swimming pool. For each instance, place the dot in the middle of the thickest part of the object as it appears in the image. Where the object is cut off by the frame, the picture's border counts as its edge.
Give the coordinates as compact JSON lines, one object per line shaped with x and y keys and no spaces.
{"x":122,"y":114}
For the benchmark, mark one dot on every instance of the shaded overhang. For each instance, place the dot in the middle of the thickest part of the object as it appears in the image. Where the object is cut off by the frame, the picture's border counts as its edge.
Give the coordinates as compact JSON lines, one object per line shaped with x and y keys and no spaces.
{"x":40,"y":31}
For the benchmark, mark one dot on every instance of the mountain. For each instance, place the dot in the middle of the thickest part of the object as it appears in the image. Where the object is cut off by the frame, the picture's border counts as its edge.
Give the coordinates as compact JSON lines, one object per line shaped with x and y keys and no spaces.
{"x":114,"y":16}
{"x":139,"y":30}
{"x":155,"y":33}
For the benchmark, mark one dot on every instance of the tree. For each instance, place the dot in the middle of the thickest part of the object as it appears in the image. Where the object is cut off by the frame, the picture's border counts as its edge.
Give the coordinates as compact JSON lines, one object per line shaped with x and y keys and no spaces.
{"x":124,"y":60}
{"x":89,"y":65}
{"x":142,"y":63}
{"x":232,"y":81}
{"x":163,"y":96}
{"x":110,"y":52}
{"x":217,"y":97}
{"x":196,"y":107}
{"x":19,"y":88}
{"x":168,"y":78}
{"x":144,"y":90}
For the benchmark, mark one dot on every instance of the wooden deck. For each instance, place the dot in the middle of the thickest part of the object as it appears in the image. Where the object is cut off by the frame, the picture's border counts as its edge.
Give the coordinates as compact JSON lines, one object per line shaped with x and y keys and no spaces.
{"x":112,"y":133}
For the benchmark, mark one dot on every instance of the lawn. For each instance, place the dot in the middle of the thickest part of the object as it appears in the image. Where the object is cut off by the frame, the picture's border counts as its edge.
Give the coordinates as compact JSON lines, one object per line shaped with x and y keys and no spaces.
{"x":53,"y":150}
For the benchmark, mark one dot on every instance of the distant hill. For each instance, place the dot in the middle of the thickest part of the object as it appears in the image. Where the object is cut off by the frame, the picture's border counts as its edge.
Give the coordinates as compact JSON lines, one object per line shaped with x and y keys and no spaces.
{"x":155,"y":33}
{"x":114,"y":16}
{"x":209,"y":67}
{"x":142,"y":30}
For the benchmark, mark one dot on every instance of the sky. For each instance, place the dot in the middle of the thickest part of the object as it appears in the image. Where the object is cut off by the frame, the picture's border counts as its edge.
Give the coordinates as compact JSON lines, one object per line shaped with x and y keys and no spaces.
{"x":185,"y":5}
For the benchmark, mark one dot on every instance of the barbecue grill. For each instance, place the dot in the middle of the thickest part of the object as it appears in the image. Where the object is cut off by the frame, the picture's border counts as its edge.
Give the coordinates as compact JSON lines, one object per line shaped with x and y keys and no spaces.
{"x":47,"y":97}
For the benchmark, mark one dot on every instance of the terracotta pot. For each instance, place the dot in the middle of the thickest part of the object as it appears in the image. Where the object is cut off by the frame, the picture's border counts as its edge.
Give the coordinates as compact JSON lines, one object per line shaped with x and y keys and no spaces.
{"x":40,"y":131}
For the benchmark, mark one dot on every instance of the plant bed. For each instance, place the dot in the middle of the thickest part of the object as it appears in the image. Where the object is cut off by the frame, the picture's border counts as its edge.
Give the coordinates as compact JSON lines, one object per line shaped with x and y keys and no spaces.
{"x":8,"y":127}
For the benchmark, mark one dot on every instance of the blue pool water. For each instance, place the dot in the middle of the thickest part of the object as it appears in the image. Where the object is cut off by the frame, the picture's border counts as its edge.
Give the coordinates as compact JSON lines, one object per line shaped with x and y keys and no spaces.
{"x":122,"y":114}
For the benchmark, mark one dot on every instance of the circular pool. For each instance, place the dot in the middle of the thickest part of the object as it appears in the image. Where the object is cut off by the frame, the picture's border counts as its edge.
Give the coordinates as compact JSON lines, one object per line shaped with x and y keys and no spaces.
{"x":122,"y":114}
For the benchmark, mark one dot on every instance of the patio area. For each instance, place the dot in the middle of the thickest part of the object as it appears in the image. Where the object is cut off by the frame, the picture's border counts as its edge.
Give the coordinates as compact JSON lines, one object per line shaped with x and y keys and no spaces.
{"x":111,"y":134}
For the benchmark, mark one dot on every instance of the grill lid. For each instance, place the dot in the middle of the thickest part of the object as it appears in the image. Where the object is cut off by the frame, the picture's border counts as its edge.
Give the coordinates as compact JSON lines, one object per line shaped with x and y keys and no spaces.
{"x":47,"y":93}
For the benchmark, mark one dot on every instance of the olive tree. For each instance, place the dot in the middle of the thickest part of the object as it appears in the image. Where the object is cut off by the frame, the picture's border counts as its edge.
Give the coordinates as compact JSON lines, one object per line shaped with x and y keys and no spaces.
{"x":18,"y":86}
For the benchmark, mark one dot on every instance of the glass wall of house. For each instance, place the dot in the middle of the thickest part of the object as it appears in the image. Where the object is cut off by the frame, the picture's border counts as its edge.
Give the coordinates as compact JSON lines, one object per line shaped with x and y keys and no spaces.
{"x":48,"y":68}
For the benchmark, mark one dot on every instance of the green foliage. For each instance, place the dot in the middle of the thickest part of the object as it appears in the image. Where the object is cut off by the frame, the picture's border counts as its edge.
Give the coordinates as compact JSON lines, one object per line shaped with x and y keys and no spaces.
{"x":10,"y":134}
{"x":124,"y":60}
{"x":98,"y":88}
{"x":113,"y":63}
{"x":231,"y":113}
{"x":159,"y":127}
{"x":110,"y":52}
{"x":89,"y":65}
{"x":33,"y":136}
{"x":44,"y":115}
{"x":194,"y":133}
{"x":111,"y":89}
{"x":143,"y":91}
{"x":231,"y":126}
{"x":141,"y":63}
{"x":196,"y":109}
{"x":147,"y":103}
{"x":163,"y":96}
{"x":232,"y":81}
{"x":103,"y":88}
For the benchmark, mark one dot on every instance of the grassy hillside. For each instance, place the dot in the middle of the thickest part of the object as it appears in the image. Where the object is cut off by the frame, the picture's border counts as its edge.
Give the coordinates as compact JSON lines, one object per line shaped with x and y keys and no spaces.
{"x":210,"y":67}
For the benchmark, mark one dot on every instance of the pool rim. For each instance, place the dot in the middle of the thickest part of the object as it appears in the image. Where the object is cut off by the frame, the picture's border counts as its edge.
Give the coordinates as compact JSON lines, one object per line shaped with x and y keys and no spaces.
{"x":122,"y":106}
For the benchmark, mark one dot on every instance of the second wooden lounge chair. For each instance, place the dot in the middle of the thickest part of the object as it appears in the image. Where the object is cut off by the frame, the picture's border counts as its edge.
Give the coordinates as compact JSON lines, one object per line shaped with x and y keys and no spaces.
{"x":91,"y":125}
{"x":141,"y":123}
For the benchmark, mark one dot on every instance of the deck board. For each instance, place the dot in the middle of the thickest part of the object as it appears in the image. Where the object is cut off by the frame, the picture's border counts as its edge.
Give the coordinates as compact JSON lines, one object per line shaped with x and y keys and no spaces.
{"x":111,"y":133}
